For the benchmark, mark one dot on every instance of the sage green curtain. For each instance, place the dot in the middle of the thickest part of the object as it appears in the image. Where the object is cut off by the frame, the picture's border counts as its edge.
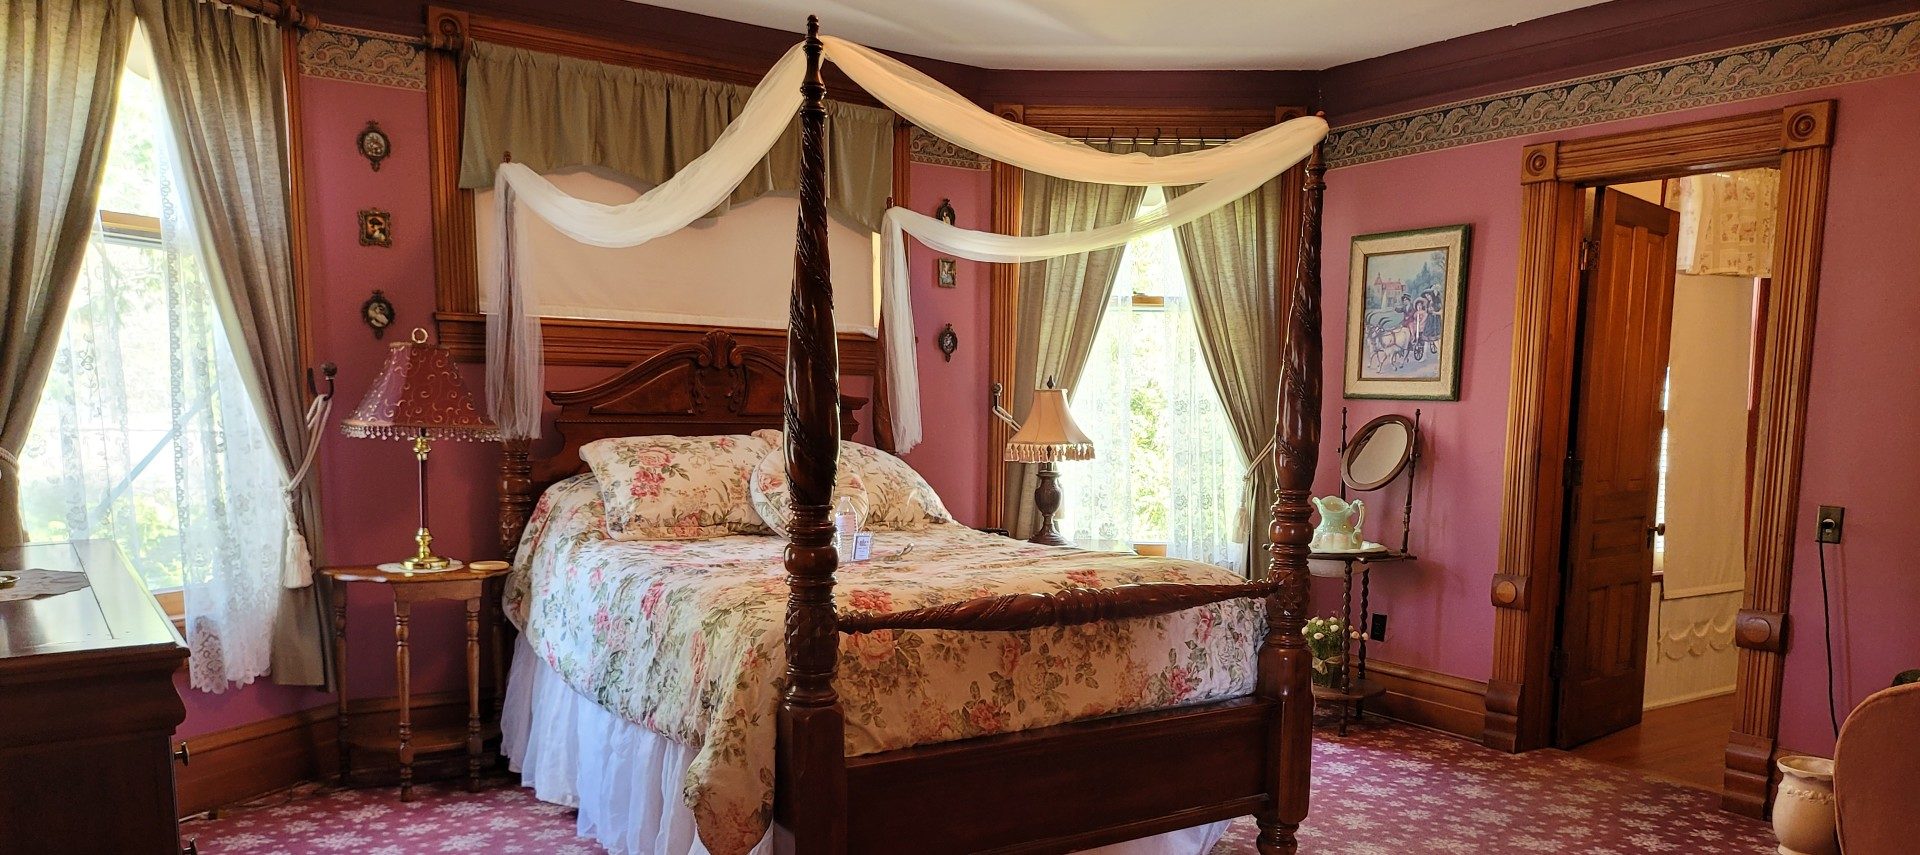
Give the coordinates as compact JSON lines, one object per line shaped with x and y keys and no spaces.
{"x":1061,"y":301}
{"x":551,"y":111}
{"x":221,"y":77}
{"x":59,"y":74}
{"x":1232,"y":258}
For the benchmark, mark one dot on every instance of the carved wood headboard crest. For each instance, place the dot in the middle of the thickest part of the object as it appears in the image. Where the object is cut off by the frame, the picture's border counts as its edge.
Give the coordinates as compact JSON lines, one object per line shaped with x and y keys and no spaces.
{"x":713,"y":385}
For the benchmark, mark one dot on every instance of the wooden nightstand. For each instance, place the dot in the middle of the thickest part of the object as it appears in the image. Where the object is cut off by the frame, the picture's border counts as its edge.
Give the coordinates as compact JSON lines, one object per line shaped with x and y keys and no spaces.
{"x":465,"y":584}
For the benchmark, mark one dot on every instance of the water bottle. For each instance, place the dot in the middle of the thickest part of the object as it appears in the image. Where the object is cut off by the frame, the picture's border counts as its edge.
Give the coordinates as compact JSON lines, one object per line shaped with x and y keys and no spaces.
{"x":846,"y":523}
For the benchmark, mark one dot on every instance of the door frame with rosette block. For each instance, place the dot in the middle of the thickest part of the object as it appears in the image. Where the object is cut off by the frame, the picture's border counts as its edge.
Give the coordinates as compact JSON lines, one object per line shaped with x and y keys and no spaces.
{"x":1526,"y":587}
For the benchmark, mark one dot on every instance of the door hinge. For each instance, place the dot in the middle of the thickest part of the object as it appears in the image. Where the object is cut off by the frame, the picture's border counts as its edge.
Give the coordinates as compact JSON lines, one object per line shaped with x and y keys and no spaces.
{"x":1573,"y":472}
{"x":1589,"y":250}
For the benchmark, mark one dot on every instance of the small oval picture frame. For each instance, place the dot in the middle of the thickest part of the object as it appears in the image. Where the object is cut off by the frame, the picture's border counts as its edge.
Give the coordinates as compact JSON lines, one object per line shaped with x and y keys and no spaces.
{"x":378,"y":313}
{"x":373,"y":144}
{"x":949,"y":342}
{"x":945,"y":212}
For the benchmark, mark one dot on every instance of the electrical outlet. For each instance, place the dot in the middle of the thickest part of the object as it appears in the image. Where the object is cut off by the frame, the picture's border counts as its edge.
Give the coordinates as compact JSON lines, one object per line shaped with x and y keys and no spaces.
{"x":1377,"y":630}
{"x":1828,"y":525}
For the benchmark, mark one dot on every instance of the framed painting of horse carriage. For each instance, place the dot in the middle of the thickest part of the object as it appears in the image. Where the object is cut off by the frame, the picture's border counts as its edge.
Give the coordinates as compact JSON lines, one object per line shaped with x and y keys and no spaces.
{"x":1406,"y":313}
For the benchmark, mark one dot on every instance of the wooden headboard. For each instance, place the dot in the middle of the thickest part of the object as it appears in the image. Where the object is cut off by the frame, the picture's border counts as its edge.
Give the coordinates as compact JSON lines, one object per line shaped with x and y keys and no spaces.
{"x":715,"y":385}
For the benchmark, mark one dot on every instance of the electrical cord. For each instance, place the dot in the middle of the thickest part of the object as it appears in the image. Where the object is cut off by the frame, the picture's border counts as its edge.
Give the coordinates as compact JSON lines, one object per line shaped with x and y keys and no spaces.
{"x":1826,"y":621}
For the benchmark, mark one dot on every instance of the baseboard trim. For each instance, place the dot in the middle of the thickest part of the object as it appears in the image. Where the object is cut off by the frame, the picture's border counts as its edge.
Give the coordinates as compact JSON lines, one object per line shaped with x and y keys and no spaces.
{"x":241,"y":763}
{"x":1690,"y":697}
{"x":1430,"y":699}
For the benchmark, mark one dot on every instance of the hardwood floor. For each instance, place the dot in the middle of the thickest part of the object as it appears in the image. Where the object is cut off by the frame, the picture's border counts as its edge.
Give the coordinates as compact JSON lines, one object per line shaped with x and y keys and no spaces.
{"x":1685,"y":743}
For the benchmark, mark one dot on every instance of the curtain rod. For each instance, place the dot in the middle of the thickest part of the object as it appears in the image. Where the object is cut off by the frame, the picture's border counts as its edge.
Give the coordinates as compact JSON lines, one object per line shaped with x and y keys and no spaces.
{"x":1151,"y":140}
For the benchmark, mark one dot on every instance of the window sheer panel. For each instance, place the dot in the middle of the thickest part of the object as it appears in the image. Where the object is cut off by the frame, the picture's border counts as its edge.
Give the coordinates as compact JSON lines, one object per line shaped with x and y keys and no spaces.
{"x":145,"y":435}
{"x":1168,"y":467}
{"x":732,"y":270}
{"x":147,"y":432}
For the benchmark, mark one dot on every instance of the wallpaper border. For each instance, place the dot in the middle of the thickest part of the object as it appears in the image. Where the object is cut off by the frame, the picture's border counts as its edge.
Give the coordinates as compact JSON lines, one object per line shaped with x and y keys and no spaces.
{"x":1880,"y":48}
{"x":927,"y":148}
{"x":363,"y":56}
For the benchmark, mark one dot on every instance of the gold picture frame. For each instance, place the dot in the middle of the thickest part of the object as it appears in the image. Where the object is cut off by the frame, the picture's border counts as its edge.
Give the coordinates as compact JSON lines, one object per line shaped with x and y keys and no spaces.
{"x":376,"y":227}
{"x":1406,"y":314}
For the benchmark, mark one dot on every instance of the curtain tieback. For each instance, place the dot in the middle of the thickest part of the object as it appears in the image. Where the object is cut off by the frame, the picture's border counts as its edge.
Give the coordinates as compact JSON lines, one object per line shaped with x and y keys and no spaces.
{"x":296,"y":566}
{"x":1243,"y":530}
{"x":317,"y":413}
{"x":8,"y":461}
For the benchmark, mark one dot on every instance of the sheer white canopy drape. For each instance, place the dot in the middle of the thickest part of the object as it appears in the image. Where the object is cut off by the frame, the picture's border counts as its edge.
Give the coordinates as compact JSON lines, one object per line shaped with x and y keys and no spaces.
{"x":1224,"y":173}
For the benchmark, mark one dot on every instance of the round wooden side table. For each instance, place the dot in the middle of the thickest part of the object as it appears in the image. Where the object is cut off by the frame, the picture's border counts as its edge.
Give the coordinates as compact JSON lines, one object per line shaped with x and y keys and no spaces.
{"x":464,"y":583}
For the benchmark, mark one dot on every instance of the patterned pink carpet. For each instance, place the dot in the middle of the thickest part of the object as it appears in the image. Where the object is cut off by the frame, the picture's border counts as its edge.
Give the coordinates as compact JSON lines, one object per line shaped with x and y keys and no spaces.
{"x":1385,"y":789}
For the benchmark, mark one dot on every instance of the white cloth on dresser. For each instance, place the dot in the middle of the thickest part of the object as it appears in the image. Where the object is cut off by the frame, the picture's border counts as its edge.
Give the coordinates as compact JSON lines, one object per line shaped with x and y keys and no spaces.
{"x":1224,"y":173}
{"x":625,"y":780}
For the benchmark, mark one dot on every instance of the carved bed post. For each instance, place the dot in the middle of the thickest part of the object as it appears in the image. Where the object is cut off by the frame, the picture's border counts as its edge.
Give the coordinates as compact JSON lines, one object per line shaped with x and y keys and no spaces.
{"x":1284,"y":666}
{"x":812,"y":776}
{"x":516,"y":494}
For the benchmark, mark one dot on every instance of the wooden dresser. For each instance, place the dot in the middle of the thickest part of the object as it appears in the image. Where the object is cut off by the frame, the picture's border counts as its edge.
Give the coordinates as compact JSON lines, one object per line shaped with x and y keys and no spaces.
{"x":87,"y":710}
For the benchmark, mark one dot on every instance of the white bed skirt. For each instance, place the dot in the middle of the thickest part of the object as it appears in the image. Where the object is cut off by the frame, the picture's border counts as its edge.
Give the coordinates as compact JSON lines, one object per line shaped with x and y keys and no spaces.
{"x":625,"y":780}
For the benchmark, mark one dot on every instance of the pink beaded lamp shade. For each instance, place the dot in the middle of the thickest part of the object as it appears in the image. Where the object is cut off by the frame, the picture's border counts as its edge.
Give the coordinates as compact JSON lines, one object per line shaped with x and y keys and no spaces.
{"x":419,"y":396}
{"x":419,"y":390}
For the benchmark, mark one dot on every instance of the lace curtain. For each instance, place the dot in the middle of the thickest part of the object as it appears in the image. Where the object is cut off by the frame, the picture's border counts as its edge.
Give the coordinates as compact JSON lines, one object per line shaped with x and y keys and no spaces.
{"x":145,"y":435}
{"x":1167,"y":467}
{"x":1726,"y":221}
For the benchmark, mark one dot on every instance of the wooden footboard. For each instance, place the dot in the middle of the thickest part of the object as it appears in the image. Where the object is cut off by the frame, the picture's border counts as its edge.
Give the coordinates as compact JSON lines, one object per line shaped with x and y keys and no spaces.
{"x":1063,"y":788}
{"x":1062,"y":608}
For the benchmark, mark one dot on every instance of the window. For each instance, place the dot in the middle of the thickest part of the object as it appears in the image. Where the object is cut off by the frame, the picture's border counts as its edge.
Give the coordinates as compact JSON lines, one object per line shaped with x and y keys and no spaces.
{"x":144,"y":434}
{"x":1168,"y":469}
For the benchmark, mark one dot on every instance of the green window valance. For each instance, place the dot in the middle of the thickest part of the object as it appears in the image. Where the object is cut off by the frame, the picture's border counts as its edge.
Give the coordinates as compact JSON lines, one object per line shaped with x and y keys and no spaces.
{"x":553,"y":112}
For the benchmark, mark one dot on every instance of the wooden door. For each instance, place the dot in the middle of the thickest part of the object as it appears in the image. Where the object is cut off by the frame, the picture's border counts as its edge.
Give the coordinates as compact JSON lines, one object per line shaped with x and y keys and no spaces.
{"x":1613,"y":472}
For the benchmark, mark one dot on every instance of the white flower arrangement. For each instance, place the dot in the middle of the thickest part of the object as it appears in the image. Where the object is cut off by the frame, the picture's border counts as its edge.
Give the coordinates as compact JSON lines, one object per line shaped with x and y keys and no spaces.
{"x":1327,"y":641}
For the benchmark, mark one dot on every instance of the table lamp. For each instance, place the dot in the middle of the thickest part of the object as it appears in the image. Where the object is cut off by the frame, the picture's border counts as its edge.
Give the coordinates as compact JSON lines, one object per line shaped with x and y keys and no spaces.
{"x":1048,"y":436}
{"x":419,"y":396}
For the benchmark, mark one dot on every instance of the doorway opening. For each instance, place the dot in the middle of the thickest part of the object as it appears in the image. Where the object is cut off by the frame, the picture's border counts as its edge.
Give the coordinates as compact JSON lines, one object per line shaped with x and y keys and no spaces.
{"x":1676,"y":276}
{"x":1524,"y":691}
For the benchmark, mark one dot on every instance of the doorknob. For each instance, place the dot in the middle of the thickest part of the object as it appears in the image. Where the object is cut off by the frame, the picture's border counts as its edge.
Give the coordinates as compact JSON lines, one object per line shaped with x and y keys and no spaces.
{"x":1656,"y":530}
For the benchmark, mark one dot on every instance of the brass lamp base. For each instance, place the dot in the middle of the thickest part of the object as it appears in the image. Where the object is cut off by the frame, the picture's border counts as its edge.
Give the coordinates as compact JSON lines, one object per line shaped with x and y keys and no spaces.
{"x":424,"y":560}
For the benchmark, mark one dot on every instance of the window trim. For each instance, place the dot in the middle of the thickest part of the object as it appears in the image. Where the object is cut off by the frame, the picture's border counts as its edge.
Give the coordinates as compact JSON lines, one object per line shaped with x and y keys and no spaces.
{"x":173,"y":601}
{"x":137,"y":229}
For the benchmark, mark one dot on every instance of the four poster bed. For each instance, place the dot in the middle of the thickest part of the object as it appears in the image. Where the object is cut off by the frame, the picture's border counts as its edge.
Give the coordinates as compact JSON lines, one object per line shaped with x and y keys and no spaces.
{"x":1155,"y":763}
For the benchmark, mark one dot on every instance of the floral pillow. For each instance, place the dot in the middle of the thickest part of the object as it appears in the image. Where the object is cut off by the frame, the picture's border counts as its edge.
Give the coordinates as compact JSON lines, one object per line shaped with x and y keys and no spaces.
{"x":773,"y":496}
{"x":676,"y":487}
{"x":898,"y":499}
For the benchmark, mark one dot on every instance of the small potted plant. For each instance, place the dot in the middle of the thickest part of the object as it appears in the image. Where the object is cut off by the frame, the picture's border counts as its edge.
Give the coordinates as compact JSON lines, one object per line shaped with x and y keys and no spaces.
{"x":1327,"y":641}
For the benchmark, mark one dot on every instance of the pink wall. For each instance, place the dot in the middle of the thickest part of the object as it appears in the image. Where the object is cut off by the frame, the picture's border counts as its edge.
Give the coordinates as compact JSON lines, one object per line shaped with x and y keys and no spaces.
{"x":953,"y":395}
{"x":1440,"y":615}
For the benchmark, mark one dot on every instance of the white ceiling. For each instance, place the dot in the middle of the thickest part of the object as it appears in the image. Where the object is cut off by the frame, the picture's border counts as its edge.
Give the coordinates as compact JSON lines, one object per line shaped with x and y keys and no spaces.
{"x":1139,"y":34}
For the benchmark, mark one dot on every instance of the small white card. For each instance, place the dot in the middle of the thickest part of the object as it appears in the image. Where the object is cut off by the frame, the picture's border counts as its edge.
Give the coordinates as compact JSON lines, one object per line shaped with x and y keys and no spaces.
{"x":862,"y":546}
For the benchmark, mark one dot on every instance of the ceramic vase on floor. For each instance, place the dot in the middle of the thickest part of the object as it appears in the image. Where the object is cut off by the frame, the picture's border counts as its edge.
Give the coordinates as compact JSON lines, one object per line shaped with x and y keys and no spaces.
{"x":1803,"y":812}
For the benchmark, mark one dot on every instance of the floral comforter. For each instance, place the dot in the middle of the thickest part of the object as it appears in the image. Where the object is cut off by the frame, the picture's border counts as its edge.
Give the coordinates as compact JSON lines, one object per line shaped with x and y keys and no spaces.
{"x":686,"y":639}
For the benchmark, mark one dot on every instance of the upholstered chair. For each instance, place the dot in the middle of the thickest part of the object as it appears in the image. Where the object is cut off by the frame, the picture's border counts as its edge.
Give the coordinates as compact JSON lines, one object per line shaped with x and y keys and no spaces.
{"x":1876,"y":773}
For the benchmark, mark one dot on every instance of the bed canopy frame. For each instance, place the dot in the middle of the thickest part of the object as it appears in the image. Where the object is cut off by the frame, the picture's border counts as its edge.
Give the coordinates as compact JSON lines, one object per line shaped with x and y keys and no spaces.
{"x":1052,"y":789}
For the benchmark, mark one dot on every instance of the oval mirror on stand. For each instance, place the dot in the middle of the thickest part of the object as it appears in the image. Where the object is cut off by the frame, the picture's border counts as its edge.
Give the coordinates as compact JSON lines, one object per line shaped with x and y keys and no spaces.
{"x":1378,"y":453}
